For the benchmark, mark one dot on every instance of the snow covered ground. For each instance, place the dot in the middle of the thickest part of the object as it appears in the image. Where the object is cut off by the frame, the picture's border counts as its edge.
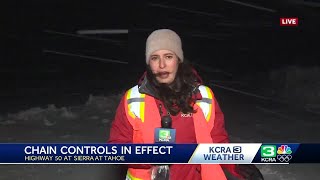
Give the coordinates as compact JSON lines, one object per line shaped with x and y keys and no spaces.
{"x":248,"y":119}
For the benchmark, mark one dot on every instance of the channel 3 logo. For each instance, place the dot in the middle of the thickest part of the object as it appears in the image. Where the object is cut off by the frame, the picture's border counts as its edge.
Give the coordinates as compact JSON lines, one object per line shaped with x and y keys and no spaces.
{"x":270,"y":153}
{"x":164,"y":135}
{"x":284,"y":153}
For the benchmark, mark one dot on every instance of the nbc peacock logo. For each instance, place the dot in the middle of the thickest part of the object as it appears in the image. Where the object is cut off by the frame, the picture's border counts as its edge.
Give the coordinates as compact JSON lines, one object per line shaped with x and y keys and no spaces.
{"x":284,"y":153}
{"x":284,"y":149}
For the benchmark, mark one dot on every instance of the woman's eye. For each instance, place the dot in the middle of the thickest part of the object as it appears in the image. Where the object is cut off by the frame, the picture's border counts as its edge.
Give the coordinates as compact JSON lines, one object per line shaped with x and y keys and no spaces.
{"x":169,"y":57}
{"x":154,"y":58}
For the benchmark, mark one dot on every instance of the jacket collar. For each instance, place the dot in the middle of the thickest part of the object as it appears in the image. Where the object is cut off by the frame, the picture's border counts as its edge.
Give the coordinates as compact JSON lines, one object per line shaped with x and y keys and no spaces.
{"x":146,"y":88}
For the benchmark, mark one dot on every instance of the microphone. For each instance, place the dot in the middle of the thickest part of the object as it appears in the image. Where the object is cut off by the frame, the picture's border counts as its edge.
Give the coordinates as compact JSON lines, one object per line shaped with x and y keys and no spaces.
{"x":165,"y":134}
{"x":166,"y":122}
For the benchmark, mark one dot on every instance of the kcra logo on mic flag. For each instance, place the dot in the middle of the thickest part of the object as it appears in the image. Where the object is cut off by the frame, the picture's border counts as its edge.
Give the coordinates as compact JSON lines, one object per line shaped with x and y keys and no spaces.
{"x":165,"y":135}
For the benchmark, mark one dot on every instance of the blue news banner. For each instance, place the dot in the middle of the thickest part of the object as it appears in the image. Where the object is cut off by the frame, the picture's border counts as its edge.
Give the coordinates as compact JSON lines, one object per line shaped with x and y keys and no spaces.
{"x":231,"y":153}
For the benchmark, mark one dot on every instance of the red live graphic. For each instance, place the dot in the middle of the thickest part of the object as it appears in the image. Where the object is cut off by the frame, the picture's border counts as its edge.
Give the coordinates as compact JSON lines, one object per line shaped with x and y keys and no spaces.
{"x":288,"y":21}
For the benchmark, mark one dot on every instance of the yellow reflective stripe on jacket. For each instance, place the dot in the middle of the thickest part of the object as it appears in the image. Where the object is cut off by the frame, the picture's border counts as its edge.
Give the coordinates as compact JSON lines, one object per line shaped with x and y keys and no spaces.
{"x":130,"y":177}
{"x":142,"y":105}
{"x":136,"y":104}
{"x":206,"y":102}
{"x":129,"y":104}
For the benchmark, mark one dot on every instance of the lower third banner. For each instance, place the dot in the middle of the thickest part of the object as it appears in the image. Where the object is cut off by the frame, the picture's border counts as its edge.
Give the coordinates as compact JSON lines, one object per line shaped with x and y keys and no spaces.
{"x":231,"y":153}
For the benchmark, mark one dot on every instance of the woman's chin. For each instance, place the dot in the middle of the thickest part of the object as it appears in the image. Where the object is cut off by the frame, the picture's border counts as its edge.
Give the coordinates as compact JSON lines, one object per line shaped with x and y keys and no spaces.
{"x":164,"y":81}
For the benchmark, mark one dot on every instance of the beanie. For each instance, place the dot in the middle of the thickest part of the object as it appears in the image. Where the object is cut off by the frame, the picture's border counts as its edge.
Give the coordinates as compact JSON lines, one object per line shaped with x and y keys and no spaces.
{"x":164,"y":39}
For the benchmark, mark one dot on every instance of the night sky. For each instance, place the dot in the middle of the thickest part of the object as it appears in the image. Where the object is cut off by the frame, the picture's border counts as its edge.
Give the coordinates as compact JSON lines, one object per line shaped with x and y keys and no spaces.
{"x":224,"y":35}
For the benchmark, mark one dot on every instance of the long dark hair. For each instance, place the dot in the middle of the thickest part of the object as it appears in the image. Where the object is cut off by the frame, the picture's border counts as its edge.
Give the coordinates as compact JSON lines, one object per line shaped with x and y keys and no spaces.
{"x":178,"y":95}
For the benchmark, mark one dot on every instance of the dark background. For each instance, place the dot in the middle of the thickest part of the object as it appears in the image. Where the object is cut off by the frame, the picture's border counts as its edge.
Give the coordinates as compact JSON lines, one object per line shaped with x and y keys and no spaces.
{"x":240,"y":38}
{"x":236,"y":44}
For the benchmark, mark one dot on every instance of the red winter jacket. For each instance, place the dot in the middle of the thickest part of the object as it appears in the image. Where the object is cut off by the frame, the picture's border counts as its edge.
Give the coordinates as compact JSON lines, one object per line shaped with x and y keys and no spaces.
{"x":122,"y":132}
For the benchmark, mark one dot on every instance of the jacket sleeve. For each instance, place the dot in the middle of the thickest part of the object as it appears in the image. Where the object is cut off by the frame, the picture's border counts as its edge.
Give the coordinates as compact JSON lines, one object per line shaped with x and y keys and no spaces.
{"x":122,"y":132}
{"x":220,"y":135}
{"x":218,"y":132}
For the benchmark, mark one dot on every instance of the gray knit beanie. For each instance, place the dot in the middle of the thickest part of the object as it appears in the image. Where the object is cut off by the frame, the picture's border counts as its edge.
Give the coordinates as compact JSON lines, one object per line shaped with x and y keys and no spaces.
{"x":164,"y":39}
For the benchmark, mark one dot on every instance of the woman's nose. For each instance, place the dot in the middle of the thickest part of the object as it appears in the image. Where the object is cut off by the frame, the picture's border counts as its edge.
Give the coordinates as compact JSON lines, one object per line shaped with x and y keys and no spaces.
{"x":162,"y":63}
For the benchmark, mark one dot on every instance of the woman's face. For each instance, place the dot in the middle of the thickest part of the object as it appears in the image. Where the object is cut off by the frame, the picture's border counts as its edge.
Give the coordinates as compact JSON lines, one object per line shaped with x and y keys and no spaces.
{"x":164,"y":64}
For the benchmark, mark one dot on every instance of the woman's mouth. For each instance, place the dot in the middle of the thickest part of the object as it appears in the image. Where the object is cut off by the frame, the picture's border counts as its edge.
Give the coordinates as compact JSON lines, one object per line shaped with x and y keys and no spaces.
{"x":163,"y":75}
